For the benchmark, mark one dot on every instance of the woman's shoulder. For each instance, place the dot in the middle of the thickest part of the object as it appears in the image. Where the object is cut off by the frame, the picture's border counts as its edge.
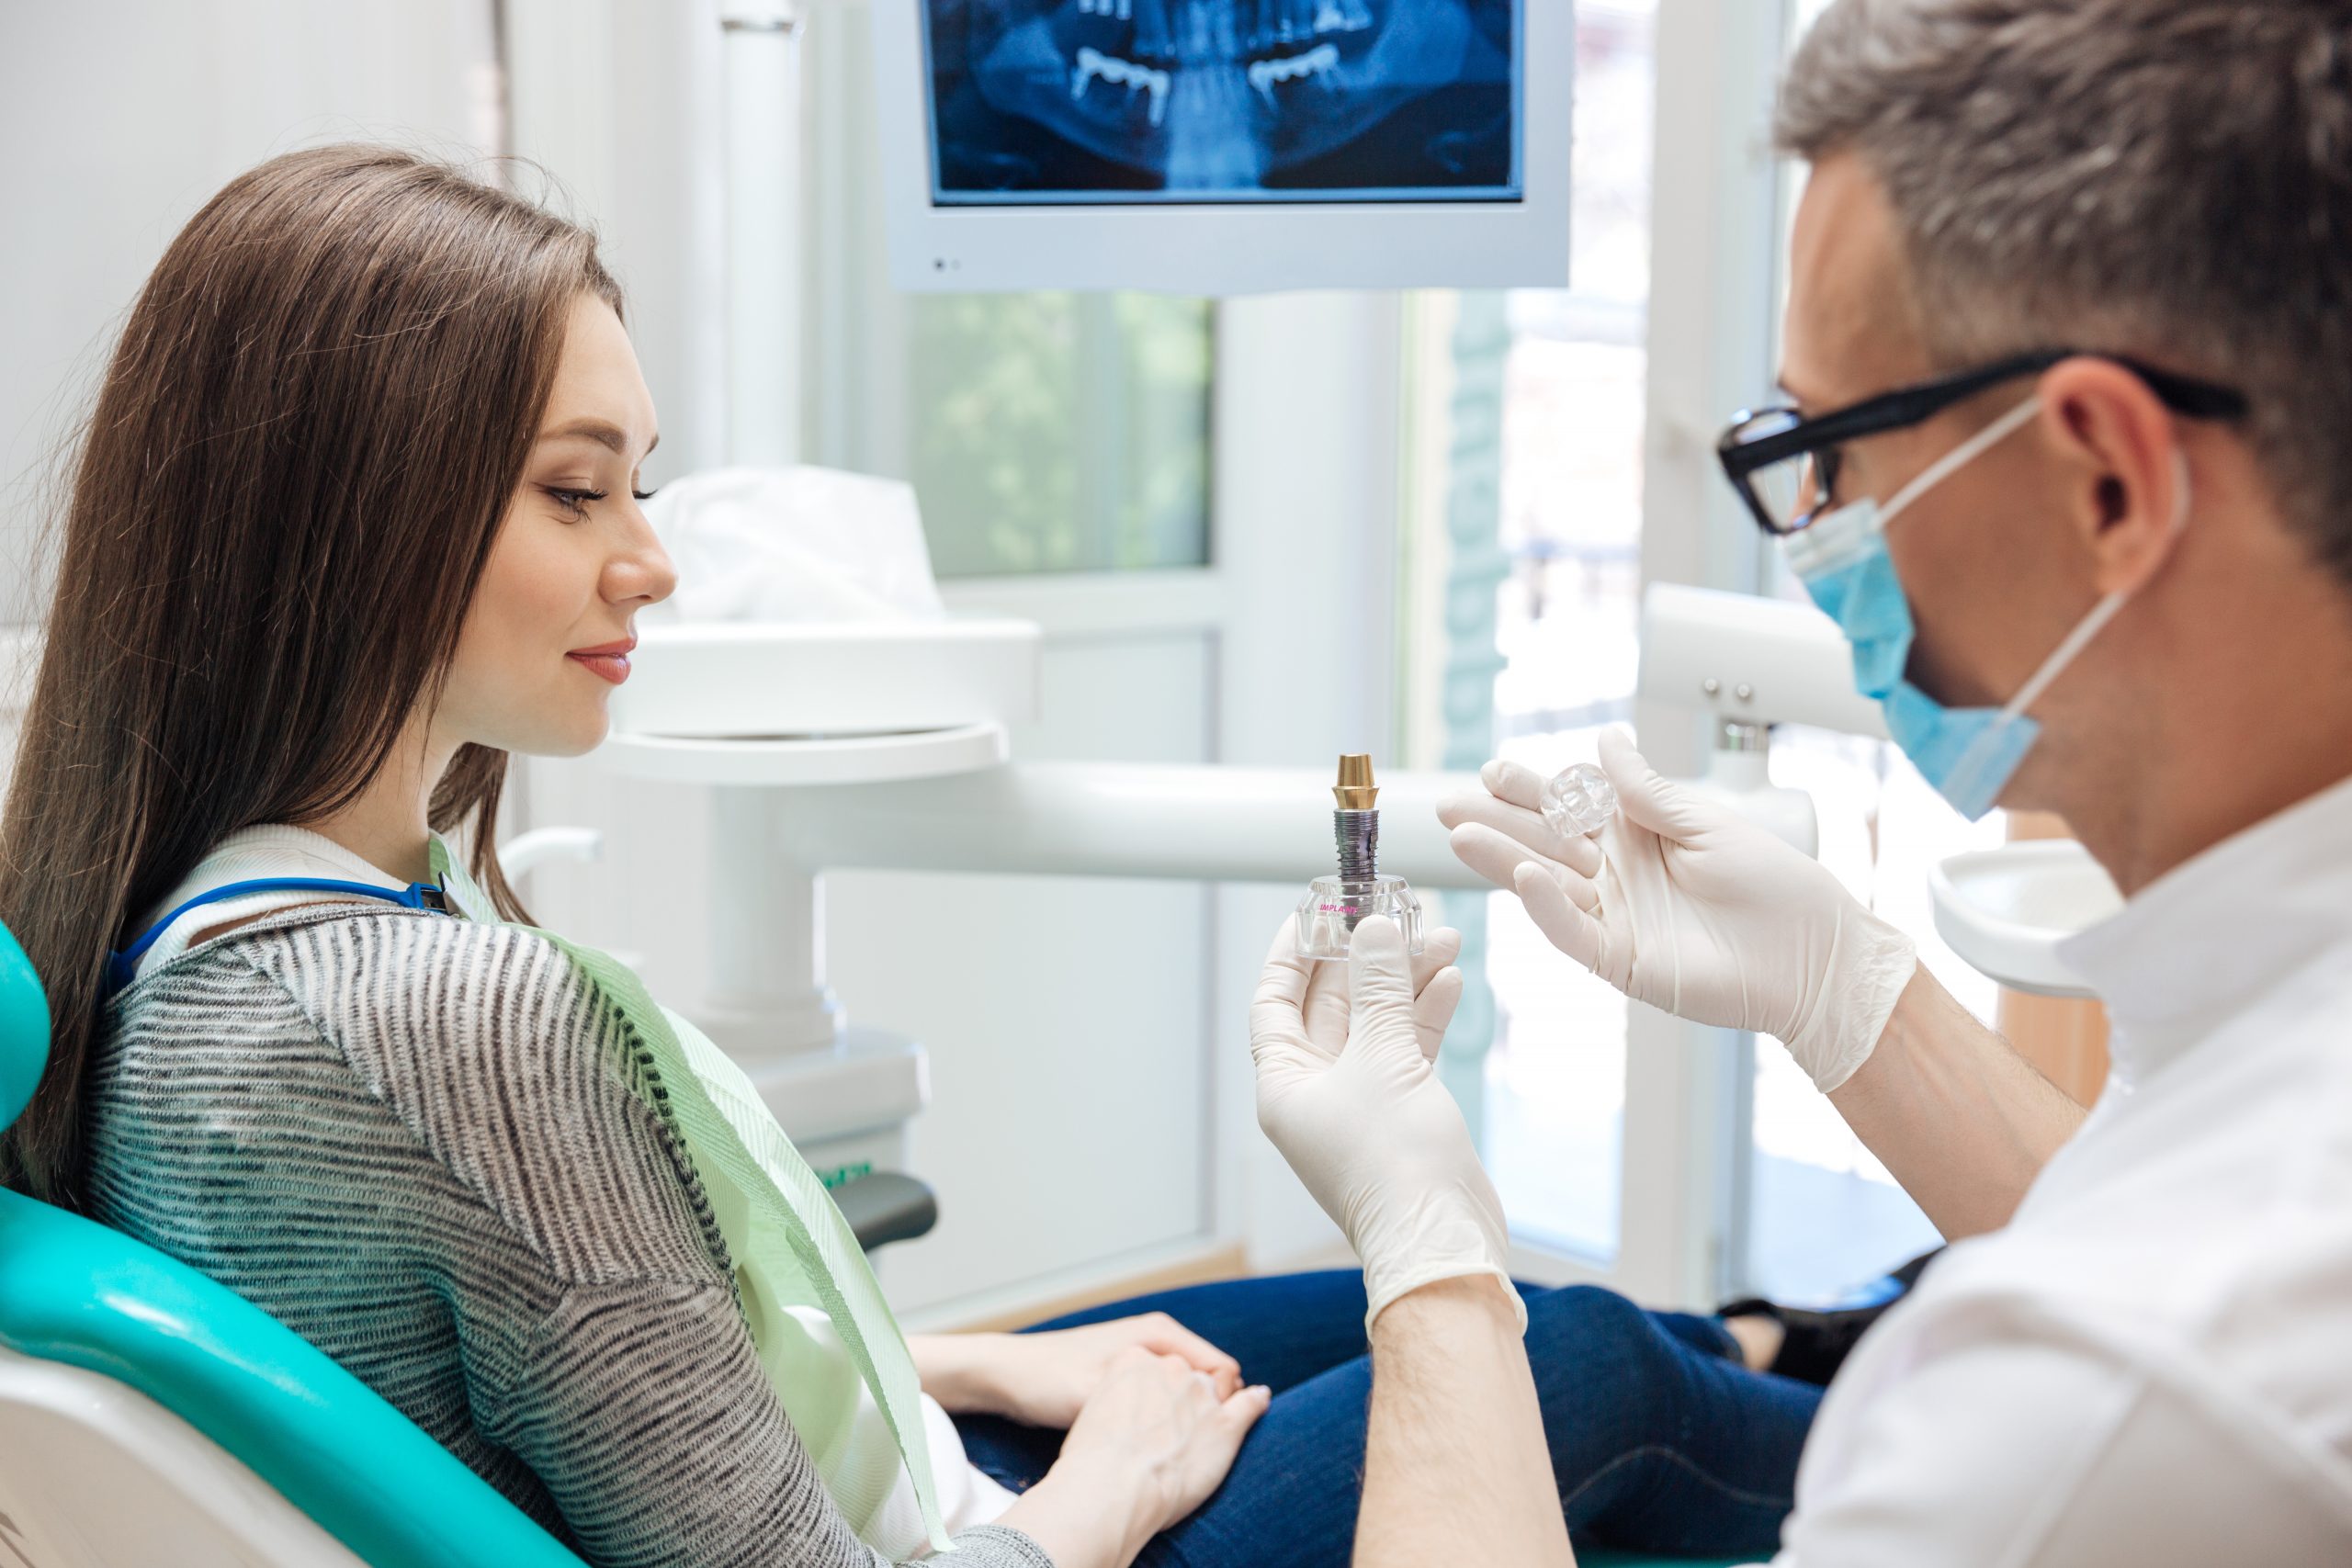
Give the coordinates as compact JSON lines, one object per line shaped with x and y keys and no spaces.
{"x":372,"y":969}
{"x":433,"y":1006}
{"x":503,"y":1059}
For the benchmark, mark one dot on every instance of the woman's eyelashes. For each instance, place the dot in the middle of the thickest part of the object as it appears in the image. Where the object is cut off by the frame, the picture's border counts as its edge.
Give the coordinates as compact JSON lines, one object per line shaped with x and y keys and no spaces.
{"x":575,"y":499}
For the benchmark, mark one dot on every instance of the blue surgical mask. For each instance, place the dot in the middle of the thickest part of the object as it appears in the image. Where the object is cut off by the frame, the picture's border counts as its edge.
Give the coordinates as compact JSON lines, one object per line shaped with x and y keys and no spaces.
{"x":1968,"y":754}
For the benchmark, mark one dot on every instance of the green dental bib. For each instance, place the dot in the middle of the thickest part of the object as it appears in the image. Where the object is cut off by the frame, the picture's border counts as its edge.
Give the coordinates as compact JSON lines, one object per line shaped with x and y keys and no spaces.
{"x":787,"y":1240}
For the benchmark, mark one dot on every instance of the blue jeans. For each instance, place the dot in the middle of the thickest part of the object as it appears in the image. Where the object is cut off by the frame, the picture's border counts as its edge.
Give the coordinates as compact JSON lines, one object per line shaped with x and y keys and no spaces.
{"x":1661,"y":1440}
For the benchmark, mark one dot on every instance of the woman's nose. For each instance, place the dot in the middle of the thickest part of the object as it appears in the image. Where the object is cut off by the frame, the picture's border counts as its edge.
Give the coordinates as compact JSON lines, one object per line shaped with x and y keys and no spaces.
{"x":645,"y":572}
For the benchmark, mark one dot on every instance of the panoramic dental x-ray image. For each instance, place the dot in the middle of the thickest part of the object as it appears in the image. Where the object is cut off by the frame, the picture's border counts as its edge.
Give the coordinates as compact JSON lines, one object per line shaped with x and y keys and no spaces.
{"x":1044,"y":101}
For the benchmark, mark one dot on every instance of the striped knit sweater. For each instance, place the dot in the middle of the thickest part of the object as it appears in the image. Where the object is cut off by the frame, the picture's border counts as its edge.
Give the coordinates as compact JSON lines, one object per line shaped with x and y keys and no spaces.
{"x":413,"y":1140}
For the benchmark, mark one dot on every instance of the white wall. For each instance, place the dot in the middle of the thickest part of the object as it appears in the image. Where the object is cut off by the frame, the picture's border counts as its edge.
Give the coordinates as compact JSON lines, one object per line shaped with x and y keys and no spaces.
{"x":119,"y":120}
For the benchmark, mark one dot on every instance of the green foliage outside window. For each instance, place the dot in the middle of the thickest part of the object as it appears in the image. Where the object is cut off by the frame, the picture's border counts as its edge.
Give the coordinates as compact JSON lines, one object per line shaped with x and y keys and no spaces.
{"x":1057,"y":431}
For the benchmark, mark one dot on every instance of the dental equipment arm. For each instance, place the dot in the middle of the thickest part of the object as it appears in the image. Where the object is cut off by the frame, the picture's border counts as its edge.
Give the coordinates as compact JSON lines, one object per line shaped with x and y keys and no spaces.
{"x":1682,"y":904}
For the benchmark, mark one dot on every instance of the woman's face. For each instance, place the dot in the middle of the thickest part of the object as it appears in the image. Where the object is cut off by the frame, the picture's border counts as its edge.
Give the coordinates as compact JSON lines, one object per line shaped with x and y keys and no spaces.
{"x":546,"y":638}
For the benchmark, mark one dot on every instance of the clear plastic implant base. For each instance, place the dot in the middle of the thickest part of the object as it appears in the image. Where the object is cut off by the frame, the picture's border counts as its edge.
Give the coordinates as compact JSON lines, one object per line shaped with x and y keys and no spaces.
{"x":1334,"y":905}
{"x":1579,"y":800}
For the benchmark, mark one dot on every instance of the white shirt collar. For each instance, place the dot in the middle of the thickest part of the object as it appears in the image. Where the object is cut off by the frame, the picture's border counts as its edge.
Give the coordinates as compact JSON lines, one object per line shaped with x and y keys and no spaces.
{"x":266,"y":851}
{"x":2209,"y":938}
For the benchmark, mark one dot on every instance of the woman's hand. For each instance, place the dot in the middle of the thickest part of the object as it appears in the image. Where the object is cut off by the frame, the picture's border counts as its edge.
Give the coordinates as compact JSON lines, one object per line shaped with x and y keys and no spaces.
{"x":1155,"y":1439}
{"x":1046,"y":1379}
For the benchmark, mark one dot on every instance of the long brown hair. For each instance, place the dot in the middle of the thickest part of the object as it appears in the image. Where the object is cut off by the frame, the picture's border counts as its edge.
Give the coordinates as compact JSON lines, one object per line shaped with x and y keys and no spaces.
{"x":318,"y":411}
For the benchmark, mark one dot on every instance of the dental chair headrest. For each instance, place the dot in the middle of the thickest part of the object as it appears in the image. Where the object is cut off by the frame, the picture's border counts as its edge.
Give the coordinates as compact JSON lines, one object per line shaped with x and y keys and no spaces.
{"x":24,"y":1029}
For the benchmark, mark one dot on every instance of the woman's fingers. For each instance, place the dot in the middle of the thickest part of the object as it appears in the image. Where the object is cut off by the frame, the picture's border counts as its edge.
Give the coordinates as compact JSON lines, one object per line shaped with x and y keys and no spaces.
{"x":1242,"y":1407}
{"x":1165,"y":1335}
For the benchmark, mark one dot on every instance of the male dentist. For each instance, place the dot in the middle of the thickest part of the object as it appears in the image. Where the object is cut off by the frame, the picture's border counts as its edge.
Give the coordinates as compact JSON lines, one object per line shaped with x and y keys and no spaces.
{"x":2066,"y":451}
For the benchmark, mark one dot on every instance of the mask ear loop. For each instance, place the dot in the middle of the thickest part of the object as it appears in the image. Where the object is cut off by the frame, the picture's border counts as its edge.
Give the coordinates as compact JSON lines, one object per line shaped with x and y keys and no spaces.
{"x":1834,"y":539}
{"x":1967,"y":451}
{"x":2101,"y":613}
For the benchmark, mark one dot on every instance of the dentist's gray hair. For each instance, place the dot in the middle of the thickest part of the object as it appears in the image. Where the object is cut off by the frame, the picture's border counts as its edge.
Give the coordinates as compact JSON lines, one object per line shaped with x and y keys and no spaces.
{"x":2171,"y":178}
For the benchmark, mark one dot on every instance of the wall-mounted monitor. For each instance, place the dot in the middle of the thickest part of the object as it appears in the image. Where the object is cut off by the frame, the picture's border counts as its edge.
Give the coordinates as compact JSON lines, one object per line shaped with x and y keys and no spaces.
{"x":1225,"y":146}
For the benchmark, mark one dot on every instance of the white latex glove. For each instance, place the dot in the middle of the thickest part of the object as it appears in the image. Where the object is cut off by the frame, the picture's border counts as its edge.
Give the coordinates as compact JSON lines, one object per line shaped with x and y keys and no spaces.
{"x":1687,"y":905}
{"x":1346,"y":1092}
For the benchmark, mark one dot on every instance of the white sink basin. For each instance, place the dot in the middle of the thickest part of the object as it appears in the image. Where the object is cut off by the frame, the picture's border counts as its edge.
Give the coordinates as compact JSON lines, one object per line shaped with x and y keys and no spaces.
{"x":2006,"y":911}
{"x":772,"y":679}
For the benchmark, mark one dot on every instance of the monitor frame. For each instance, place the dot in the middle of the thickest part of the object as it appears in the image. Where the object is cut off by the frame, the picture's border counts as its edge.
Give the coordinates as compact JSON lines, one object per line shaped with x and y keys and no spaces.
{"x":1222,"y":248}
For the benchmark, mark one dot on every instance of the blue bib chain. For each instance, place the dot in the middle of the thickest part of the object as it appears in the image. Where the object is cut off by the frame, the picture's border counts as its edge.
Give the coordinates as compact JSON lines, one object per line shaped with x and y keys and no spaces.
{"x":123,"y":967}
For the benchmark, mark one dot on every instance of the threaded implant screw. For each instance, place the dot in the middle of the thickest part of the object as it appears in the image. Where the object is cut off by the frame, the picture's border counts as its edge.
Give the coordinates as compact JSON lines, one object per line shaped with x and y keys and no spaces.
{"x":1358,"y":835}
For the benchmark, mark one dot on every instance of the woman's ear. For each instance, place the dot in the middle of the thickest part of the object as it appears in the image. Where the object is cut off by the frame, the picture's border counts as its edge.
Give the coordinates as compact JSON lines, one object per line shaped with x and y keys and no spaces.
{"x":2129,"y":478}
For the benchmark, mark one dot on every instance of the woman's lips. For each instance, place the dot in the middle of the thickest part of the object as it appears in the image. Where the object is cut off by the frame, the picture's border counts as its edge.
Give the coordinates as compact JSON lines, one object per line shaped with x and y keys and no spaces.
{"x":613,"y":667}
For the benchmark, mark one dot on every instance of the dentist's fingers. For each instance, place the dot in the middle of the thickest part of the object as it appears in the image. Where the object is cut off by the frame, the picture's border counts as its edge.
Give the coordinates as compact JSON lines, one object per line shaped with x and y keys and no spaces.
{"x":1380,"y":991}
{"x":1515,"y":782}
{"x":1433,"y":1009}
{"x":1498,"y":858}
{"x":1277,"y":1027}
{"x":1574,"y":850}
{"x":1564,"y":925}
{"x":1327,"y":1009}
{"x":1326,"y":992}
{"x":1645,"y":798}
{"x":1439,"y":949}
{"x":1495,"y":856}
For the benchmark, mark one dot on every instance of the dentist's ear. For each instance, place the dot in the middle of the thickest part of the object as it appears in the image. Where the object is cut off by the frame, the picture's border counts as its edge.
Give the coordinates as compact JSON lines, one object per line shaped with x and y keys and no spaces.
{"x":2131,"y":471}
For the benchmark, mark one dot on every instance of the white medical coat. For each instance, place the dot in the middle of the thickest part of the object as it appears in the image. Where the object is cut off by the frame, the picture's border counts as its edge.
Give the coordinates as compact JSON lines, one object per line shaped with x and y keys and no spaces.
{"x":2152,"y":1364}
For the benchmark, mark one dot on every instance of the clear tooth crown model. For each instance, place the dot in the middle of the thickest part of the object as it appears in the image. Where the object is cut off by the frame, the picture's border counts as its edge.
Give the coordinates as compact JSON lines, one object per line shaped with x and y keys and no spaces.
{"x":1334,"y":905}
{"x":1579,"y":799}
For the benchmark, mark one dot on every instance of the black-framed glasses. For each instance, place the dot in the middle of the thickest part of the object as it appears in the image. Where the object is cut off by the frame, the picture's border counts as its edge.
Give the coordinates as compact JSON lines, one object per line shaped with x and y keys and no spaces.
{"x":1784,"y":465}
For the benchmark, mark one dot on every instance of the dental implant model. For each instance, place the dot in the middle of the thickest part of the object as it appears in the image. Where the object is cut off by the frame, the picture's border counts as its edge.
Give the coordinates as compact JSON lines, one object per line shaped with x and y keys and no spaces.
{"x":1334,"y":905}
{"x":1578,"y":800}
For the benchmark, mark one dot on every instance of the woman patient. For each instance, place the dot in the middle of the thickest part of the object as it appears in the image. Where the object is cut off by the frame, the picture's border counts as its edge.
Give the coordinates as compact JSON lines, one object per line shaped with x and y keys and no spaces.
{"x":356,"y":518}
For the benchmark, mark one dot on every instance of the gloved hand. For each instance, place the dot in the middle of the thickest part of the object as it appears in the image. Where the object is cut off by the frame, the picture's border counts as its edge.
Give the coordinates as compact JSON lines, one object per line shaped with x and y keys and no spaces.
{"x":1686,"y":905}
{"x":1346,"y":1092}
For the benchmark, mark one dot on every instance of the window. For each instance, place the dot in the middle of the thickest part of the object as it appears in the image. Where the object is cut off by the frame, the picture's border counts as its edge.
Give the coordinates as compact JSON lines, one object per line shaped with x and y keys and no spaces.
{"x":1061,"y":431}
{"x":1570,"y":377}
{"x":1823,"y":1214}
{"x":1569,"y":372}
{"x":1043,"y":432}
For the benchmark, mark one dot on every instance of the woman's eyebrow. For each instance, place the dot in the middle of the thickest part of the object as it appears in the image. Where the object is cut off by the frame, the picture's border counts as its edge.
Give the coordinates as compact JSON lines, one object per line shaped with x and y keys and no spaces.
{"x":603,"y":432}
